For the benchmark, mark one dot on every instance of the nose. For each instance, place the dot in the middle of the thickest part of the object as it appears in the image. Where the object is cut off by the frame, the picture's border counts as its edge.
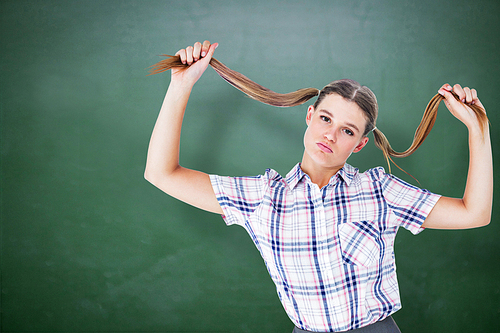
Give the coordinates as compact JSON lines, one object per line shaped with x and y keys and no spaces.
{"x":331,"y":136}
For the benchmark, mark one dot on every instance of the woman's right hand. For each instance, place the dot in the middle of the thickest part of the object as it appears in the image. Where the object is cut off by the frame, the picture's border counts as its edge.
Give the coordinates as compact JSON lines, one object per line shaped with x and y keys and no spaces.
{"x":197,"y":57}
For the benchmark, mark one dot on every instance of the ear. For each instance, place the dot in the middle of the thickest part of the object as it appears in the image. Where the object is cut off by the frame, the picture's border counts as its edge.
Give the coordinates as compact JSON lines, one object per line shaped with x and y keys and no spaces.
{"x":310,"y":111}
{"x":361,"y":144}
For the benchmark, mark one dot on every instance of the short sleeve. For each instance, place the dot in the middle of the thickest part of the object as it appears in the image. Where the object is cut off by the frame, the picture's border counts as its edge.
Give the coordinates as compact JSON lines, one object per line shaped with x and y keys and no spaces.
{"x":238,"y":196}
{"x":409,"y":204}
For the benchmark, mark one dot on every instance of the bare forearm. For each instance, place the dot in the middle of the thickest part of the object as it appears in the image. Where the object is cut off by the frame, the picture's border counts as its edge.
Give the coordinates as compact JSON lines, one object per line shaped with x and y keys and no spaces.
{"x":474,"y":208}
{"x":478,"y":195}
{"x":163,"y":152}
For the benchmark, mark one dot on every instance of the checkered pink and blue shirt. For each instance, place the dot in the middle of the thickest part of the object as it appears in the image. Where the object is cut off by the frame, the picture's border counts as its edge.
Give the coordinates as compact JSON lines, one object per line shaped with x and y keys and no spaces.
{"x":329,"y":251}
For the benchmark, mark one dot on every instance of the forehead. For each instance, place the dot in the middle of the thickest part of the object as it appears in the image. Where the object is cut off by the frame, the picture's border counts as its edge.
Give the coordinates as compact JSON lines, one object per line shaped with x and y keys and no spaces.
{"x":343,"y":109}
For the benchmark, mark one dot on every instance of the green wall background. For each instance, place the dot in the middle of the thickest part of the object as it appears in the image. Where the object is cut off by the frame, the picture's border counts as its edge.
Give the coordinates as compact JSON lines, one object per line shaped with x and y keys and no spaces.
{"x":88,"y":245}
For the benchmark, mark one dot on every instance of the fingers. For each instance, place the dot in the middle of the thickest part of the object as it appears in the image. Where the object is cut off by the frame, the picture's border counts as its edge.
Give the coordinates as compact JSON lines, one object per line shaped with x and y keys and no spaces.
{"x":211,"y":50}
{"x":182,"y":55}
{"x":204,"y":48}
{"x":474,"y":96}
{"x":192,"y":54}
{"x":446,"y":90}
{"x":461,"y":92}
{"x":189,"y":55}
{"x":465,"y":94}
{"x":196,"y":51}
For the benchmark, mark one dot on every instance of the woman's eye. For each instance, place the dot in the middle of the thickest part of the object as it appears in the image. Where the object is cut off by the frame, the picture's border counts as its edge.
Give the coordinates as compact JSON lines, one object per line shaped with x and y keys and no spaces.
{"x":325,"y":118}
{"x":348,"y":132}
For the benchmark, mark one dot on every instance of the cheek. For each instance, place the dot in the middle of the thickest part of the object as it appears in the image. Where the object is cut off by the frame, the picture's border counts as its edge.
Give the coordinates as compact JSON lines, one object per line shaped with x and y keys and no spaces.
{"x":307,"y":137}
{"x":347,"y":143}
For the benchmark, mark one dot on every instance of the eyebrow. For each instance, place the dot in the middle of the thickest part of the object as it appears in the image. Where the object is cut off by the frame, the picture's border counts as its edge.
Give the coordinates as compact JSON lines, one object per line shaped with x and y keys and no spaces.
{"x":331,"y":116}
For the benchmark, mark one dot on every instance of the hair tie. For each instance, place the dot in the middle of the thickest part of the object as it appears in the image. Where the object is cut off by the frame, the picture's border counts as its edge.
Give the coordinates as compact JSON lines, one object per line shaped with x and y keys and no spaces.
{"x":374,"y":128}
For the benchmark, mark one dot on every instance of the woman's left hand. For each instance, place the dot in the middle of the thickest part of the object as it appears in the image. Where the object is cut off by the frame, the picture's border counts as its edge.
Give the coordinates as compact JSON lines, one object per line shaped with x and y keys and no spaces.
{"x":461,"y":110}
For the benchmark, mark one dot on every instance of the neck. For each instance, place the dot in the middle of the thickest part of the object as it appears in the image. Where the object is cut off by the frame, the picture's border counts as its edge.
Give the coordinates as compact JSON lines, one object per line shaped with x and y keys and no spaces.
{"x":319,"y":175}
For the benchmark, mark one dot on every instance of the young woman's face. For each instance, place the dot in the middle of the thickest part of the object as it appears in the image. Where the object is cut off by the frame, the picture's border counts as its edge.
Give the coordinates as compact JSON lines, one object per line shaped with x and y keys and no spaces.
{"x":335,"y":130}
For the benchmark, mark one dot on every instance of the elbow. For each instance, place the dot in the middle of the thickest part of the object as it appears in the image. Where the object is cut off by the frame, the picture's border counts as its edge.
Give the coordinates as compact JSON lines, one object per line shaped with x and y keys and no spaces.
{"x":156,"y":180}
{"x":485,"y":221}
{"x":486,"y":216}
{"x":160,"y":178}
{"x":148,"y":177}
{"x":482,"y":220}
{"x":478,"y":214}
{"x":152,"y":177}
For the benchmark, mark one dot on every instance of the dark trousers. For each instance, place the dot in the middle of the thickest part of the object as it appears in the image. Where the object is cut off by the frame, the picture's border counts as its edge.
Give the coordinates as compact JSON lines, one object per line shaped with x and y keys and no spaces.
{"x":388,"y":325}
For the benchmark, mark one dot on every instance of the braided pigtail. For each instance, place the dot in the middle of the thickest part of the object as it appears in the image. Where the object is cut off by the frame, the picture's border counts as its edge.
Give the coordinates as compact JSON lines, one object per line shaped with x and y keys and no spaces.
{"x":242,"y":83}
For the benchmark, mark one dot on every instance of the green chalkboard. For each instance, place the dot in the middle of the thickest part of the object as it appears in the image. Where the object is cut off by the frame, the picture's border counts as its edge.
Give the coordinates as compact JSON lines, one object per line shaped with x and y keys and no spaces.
{"x":87,"y":245}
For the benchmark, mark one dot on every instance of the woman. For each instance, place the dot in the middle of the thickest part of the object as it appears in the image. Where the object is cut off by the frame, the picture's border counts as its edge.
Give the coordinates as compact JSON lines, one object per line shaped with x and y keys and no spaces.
{"x":325,"y":231}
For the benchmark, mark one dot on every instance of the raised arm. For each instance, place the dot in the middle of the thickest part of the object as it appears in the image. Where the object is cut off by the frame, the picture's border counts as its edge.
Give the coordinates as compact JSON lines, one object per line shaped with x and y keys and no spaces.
{"x":474,"y":209}
{"x":162,"y":166}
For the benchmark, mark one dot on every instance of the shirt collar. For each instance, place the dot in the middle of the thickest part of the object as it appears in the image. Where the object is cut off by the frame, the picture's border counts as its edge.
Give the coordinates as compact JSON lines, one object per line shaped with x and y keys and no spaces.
{"x":346,"y":173}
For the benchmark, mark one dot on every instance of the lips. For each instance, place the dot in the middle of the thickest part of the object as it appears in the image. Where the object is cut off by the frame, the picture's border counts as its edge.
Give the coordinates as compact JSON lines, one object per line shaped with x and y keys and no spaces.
{"x":324,"y":147}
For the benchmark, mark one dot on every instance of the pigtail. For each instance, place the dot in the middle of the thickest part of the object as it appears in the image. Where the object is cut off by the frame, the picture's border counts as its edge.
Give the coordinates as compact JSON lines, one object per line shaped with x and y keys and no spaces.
{"x":242,"y":83}
{"x":423,"y":129}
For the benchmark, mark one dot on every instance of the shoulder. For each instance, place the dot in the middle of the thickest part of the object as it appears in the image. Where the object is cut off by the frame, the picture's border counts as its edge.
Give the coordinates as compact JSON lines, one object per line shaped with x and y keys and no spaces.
{"x":378,"y":180}
{"x":273,"y":176}
{"x":373,"y":175}
{"x":379,"y":175}
{"x":270,"y":178}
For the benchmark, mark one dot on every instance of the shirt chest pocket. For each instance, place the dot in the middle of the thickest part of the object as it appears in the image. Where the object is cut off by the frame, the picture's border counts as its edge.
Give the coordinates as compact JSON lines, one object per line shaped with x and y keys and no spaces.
{"x":360,"y":243}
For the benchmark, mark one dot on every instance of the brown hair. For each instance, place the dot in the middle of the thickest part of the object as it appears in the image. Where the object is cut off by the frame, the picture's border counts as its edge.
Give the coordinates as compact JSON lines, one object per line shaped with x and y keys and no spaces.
{"x":349,"y":89}
{"x":352,"y":91}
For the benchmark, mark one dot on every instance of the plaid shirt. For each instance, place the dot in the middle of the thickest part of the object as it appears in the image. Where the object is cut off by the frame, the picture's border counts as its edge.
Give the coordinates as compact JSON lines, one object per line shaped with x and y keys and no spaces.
{"x":329,"y":251}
